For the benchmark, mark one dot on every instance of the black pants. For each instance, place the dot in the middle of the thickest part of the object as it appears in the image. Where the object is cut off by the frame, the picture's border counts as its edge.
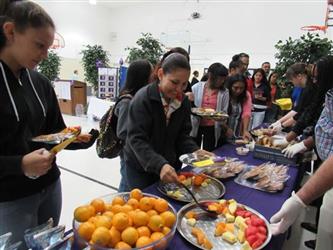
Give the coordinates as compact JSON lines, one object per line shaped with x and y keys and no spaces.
{"x":208,"y":133}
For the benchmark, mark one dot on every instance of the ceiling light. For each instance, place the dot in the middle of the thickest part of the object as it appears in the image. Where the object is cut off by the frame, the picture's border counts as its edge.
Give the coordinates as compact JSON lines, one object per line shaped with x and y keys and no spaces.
{"x":93,"y":2}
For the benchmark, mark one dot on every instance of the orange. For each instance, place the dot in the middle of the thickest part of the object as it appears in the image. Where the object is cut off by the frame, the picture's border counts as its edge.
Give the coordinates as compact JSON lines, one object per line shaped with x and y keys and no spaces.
{"x":127,"y":208}
{"x":83,"y":213}
{"x":158,"y":236}
{"x":115,"y":237}
{"x":156,"y":223}
{"x":120,"y":221}
{"x":108,"y":207}
{"x":136,"y":194}
{"x":143,"y":231}
{"x":118,"y":200}
{"x":130,"y":236}
{"x":181,"y":178}
{"x":86,"y":230}
{"x":152,"y":212}
{"x":93,"y":219}
{"x":109,"y":214}
{"x":122,"y":245}
{"x":166,"y":230}
{"x":99,"y":205}
{"x":117,"y":208}
{"x":198,"y":180}
{"x":146,"y":204}
{"x":143,"y":241}
{"x":169,"y":218}
{"x":133,"y":202}
{"x":101,"y":236}
{"x":103,"y":221}
{"x":140,"y":219}
{"x":161,"y":205}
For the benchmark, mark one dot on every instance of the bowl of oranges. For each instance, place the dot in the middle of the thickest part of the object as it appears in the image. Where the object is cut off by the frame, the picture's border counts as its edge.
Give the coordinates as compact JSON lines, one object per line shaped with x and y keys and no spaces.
{"x":131,"y":220}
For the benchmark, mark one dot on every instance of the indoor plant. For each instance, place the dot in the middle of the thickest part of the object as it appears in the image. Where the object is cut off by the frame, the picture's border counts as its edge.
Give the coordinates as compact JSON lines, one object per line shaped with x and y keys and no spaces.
{"x":50,"y":67}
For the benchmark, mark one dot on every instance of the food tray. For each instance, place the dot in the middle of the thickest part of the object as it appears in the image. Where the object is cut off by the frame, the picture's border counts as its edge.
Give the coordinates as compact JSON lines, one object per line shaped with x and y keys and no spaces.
{"x":214,"y":190}
{"x":229,"y":169}
{"x":209,"y":113}
{"x":57,"y":138}
{"x":272,"y":176}
{"x":274,"y":155}
{"x":195,"y":160}
{"x":207,"y":224}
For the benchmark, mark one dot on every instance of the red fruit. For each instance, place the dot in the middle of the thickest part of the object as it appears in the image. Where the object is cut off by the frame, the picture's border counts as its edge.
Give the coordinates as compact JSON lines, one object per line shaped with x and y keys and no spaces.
{"x":257,"y":243}
{"x":240,"y":212}
{"x":252,"y":239}
{"x":256,"y":221}
{"x":250,"y":230}
{"x":248,"y":221}
{"x":261,"y":236}
{"x":262,"y":230}
{"x":187,"y":174}
{"x":247,"y":214}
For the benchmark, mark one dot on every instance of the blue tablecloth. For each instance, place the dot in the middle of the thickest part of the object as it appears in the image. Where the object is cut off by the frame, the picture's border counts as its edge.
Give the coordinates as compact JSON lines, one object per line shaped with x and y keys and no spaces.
{"x":265,"y":203}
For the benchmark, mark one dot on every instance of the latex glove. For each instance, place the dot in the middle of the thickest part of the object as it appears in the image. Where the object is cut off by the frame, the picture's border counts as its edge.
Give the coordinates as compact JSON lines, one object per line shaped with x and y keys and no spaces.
{"x":280,"y":142}
{"x":287,"y":215}
{"x":294,"y":149}
{"x":276,"y":126}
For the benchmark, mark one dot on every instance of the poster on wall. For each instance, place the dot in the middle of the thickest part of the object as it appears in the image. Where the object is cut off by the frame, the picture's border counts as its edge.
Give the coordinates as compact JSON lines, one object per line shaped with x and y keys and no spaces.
{"x":63,"y":89}
{"x":108,"y":83}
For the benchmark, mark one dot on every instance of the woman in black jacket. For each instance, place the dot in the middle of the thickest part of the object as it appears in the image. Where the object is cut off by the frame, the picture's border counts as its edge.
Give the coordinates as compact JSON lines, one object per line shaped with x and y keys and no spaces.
{"x":30,"y":189}
{"x":159,"y":126}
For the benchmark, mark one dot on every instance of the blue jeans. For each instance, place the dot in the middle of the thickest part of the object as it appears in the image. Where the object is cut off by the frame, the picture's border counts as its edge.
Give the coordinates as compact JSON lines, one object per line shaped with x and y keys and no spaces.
{"x":18,"y":215}
{"x":123,"y":185}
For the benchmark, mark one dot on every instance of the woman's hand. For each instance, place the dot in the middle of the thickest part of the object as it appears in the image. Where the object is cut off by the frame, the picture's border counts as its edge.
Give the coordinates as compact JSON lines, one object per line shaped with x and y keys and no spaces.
{"x":190,"y":96}
{"x":203,"y":152}
{"x":37,"y":163}
{"x":247,"y":136}
{"x":85,"y":138}
{"x":168,"y":174}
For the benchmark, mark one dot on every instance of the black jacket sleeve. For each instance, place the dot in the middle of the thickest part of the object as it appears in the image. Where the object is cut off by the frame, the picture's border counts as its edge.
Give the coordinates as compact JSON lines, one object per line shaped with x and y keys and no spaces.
{"x":139,"y":125}
{"x":185,"y":143}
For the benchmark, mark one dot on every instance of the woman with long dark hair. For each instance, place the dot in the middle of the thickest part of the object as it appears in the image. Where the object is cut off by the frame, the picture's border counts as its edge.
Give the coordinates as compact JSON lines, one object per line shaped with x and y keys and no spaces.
{"x":239,"y":109}
{"x":138,"y":75}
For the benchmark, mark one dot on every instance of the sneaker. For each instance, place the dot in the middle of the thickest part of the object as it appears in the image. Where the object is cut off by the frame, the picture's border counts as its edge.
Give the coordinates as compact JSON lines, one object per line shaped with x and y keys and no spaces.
{"x":309,"y":226}
{"x":310,"y":244}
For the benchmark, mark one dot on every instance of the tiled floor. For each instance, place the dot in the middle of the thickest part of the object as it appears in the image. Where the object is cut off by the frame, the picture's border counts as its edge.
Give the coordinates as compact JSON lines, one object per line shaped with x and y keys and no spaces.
{"x":78,"y":190}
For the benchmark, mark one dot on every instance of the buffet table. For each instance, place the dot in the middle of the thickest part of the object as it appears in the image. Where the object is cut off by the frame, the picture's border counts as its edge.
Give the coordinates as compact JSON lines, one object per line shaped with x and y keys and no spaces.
{"x":265,"y":203}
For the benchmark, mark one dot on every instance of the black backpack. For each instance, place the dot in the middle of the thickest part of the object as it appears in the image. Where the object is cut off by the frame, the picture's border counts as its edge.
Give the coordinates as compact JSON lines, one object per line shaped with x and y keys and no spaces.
{"x":108,"y":145}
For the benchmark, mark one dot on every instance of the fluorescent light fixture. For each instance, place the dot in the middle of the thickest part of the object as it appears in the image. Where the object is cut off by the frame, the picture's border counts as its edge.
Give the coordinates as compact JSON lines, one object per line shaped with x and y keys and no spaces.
{"x":93,"y":2}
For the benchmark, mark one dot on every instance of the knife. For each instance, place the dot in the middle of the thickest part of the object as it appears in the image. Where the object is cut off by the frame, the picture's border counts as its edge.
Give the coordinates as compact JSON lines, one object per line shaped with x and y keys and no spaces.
{"x":63,"y":145}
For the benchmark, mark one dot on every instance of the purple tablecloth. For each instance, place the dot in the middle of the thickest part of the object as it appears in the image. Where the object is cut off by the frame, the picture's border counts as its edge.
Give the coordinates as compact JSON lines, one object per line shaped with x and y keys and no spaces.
{"x":265,"y":203}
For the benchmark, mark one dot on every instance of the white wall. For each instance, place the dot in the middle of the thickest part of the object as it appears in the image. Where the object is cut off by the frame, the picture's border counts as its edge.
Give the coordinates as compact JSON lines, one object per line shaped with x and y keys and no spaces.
{"x":226,"y":27}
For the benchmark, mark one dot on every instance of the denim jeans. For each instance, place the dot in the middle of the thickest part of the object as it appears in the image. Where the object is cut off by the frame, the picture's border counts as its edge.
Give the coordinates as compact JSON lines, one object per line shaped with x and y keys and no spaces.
{"x":123,"y":185}
{"x":18,"y":215}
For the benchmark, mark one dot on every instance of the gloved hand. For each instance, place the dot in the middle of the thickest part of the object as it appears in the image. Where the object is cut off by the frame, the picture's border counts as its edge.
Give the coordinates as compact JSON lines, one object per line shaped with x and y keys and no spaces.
{"x":276,"y":126}
{"x":287,"y":215}
{"x":294,"y":149}
{"x":280,"y":142}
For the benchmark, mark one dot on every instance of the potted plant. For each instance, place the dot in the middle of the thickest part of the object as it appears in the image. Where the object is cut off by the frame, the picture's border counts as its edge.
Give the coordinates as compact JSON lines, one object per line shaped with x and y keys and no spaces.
{"x":149,"y":48}
{"x":50,"y":67}
{"x":93,"y":58}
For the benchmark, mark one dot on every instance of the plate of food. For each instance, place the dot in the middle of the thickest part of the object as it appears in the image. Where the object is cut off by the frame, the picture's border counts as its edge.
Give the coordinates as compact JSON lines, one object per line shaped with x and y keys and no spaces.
{"x":268,"y":177}
{"x":202,"y":186}
{"x":229,"y":169}
{"x":237,"y":226}
{"x":209,"y":113}
{"x":57,"y":138}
